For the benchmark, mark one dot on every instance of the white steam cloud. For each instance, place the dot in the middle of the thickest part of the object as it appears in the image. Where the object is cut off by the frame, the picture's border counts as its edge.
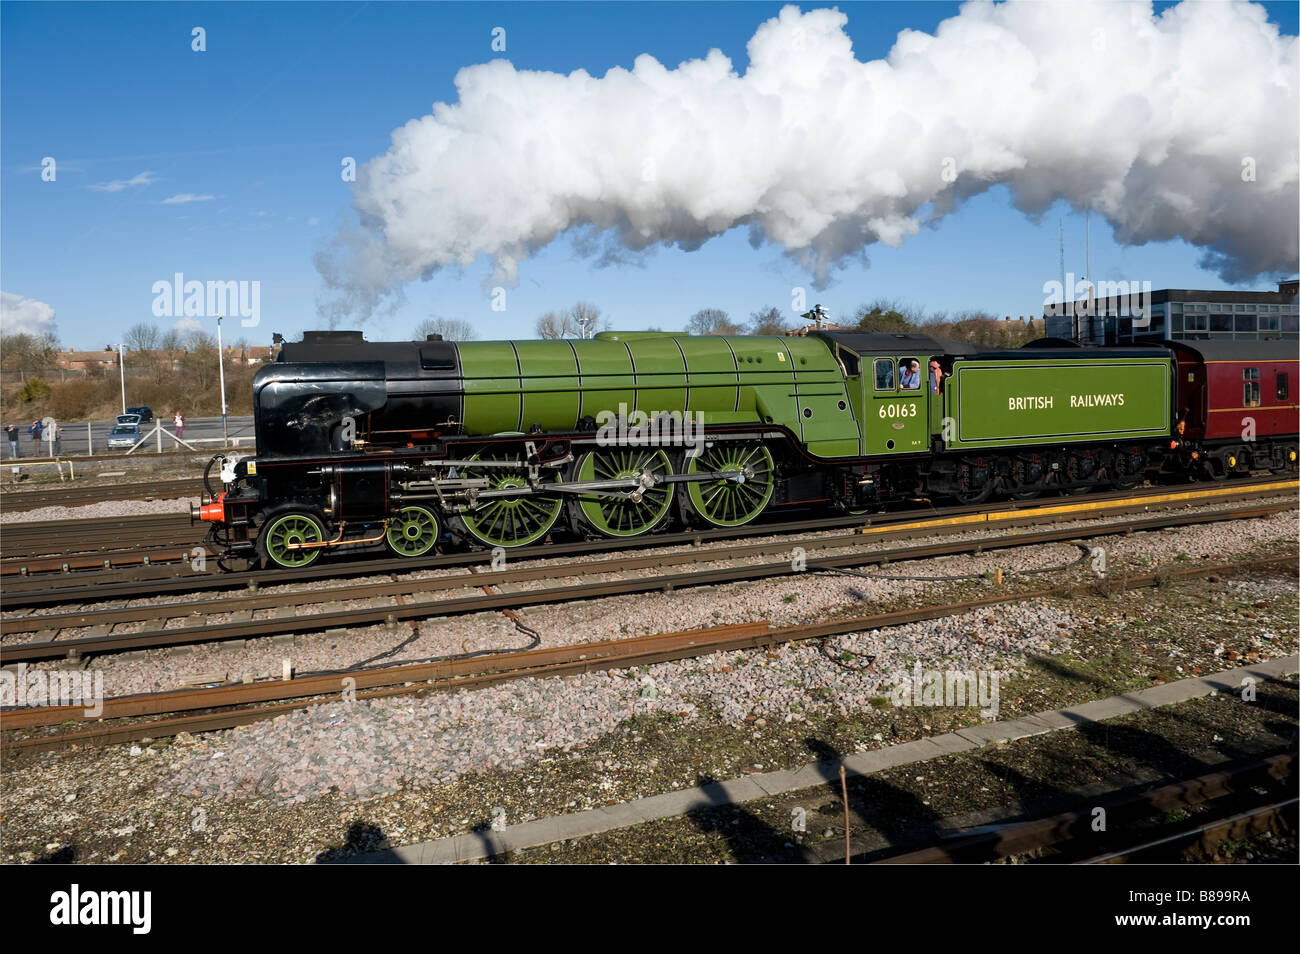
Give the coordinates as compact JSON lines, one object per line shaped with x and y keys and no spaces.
{"x":1181,"y":125}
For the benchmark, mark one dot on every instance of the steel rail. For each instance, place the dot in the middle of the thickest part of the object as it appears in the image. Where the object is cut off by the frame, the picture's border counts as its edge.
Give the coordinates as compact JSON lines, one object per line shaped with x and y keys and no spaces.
{"x":46,"y":591}
{"x":244,"y":603}
{"x":217,"y":632}
{"x":17,"y":501}
{"x":1001,"y":841}
{"x":478,"y":672}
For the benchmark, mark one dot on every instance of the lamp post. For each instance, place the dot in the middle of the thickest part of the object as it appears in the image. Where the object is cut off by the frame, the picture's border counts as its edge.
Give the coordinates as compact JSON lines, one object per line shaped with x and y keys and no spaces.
{"x":221,"y":367}
{"x":121,"y":367}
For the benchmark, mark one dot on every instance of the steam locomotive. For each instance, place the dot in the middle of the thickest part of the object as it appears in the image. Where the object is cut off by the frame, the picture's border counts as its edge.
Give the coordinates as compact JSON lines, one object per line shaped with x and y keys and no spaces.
{"x":410,"y":446}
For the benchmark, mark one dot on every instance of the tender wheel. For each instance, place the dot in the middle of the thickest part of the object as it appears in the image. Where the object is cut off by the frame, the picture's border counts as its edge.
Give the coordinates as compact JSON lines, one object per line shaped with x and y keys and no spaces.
{"x":1023,"y":487}
{"x":731,"y":502}
{"x":1287,"y":461}
{"x":617,"y":514}
{"x":509,"y":521}
{"x":1124,"y":481}
{"x":282,"y":538}
{"x":412,"y":532}
{"x":974,"y":483}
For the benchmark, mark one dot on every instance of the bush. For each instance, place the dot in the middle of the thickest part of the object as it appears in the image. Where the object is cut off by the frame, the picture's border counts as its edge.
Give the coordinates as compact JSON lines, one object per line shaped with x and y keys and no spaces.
{"x":36,"y":389}
{"x":74,"y":400}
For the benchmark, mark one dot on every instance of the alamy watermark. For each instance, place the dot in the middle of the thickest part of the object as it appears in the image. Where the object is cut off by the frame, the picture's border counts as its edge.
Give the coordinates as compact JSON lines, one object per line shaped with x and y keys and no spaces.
{"x":55,"y":687}
{"x":947,"y":687}
{"x":658,"y":429}
{"x":1085,"y":298}
{"x":181,"y":299}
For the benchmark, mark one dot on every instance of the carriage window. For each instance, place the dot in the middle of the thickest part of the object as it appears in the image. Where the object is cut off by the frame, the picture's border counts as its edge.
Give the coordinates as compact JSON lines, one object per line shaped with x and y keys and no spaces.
{"x":1250,"y":387}
{"x":884,"y":374}
{"x":1283,"y":387}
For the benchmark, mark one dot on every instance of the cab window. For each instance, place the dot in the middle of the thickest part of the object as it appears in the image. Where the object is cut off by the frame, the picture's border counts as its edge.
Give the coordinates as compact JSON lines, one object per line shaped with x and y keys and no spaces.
{"x":884,"y":374}
{"x":909,"y":374}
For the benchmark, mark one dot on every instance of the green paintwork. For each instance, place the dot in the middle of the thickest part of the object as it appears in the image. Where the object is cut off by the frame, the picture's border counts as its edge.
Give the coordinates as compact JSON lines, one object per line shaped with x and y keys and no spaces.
{"x":998,"y":402}
{"x":897,"y":419}
{"x":789,"y":381}
{"x":551,"y":378}
{"x":490,"y":375}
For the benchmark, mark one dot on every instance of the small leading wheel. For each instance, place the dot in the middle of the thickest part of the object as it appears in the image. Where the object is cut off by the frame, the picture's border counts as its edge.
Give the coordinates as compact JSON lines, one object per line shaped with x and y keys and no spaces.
{"x":412,"y":532}
{"x":622,"y":513}
{"x":731,"y":501}
{"x":509,"y":521}
{"x":282,"y":539}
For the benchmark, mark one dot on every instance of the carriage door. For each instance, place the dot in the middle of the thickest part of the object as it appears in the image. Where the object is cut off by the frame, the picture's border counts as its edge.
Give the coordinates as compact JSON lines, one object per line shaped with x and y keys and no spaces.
{"x":897,"y":421}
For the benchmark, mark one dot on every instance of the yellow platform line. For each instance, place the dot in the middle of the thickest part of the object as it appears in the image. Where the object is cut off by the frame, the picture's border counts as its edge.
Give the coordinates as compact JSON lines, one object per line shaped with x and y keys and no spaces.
{"x":1080,"y":508}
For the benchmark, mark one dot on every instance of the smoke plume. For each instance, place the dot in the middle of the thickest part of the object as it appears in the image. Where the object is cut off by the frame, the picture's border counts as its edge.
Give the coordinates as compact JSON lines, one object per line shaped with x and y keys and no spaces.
{"x":1181,"y":125}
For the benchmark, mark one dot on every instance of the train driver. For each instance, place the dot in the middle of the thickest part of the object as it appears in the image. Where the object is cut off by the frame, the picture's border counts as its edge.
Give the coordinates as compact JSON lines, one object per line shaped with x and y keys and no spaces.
{"x":910,"y":372}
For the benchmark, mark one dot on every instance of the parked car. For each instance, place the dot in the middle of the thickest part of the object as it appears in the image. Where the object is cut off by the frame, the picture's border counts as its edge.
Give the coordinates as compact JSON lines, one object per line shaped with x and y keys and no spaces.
{"x":124,"y":436}
{"x":145,"y":412}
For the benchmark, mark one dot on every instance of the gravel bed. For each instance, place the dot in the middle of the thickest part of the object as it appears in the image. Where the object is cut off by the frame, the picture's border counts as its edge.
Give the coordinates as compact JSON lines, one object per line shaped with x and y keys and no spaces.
{"x":783,"y":601}
{"x":368,"y":747}
{"x":105,"y":508}
{"x":123,"y":803}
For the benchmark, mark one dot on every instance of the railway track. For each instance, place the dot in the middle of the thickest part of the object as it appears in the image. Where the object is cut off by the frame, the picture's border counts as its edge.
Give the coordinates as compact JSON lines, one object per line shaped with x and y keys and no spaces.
{"x":223,"y":707}
{"x":1130,"y":831}
{"x":16,"y":501}
{"x":49,"y":546}
{"x":411,"y":599}
{"x":115,"y":565}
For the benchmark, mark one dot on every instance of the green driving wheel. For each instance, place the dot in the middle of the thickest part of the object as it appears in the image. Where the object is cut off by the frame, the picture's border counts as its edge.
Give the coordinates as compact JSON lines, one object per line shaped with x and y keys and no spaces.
{"x":282,"y":538}
{"x":412,"y":532}
{"x":509,"y":521}
{"x":618,"y":513}
{"x":732,"y":501}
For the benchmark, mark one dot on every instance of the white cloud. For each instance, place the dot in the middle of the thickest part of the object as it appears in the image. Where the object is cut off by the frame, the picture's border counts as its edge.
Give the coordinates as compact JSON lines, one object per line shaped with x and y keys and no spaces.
{"x":117,"y":185}
{"x":186,"y":327}
{"x":24,"y":316}
{"x":1144,"y":118}
{"x":181,"y":198}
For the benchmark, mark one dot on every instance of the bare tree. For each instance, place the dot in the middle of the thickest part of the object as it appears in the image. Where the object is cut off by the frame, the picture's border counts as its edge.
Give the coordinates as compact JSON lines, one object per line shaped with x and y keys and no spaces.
{"x":586,"y":318}
{"x":449,"y":329}
{"x":556,"y":324}
{"x":200,"y":361}
{"x":142,"y":337}
{"x":24,"y":352}
{"x":712,"y":321}
{"x":767,"y":321}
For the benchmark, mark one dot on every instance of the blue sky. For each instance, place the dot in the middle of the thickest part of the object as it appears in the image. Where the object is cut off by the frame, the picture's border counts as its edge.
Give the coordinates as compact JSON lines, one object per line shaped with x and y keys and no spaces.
{"x":246,"y":140}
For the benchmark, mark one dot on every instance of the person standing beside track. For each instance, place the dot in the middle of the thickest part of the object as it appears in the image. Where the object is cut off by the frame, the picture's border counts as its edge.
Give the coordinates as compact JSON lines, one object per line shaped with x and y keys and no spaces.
{"x":11,"y":432}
